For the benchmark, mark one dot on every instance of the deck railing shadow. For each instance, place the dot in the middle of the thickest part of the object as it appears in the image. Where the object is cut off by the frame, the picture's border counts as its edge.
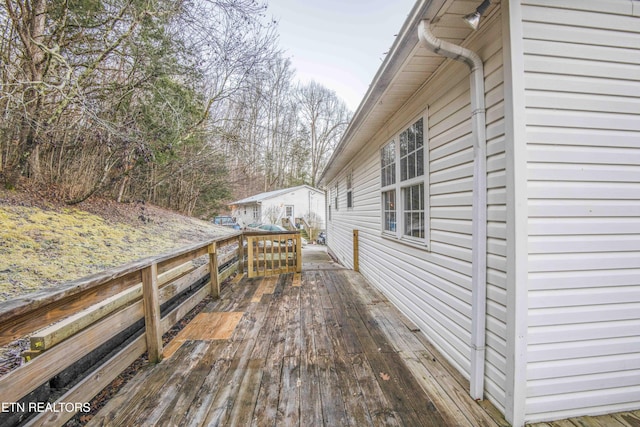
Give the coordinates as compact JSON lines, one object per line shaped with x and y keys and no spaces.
{"x":129,"y":307}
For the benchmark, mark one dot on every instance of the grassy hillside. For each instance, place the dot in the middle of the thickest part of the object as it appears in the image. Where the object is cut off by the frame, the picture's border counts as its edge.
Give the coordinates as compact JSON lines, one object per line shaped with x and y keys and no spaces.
{"x":44,"y":243}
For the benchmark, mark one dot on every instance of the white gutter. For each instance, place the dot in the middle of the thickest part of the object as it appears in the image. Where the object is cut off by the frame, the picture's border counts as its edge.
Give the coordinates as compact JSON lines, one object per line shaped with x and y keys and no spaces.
{"x":479,"y":239}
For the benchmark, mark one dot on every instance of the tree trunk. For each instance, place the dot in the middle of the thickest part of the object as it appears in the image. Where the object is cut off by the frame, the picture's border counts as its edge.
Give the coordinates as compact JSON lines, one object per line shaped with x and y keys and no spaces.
{"x":29,"y":22}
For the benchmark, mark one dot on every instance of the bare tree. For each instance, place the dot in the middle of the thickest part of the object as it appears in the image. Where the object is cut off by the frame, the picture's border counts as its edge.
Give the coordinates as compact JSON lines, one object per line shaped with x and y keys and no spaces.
{"x":162,"y":100}
{"x":325,"y":117}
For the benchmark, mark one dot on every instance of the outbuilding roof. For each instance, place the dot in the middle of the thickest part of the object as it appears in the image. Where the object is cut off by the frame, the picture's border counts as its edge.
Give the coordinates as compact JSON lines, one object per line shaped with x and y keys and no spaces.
{"x":271,"y":194}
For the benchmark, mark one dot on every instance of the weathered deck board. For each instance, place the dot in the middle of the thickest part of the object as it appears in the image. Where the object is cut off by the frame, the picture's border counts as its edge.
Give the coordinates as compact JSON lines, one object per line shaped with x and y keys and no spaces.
{"x":312,"y":323}
{"x":321,"y":348}
{"x":206,"y":326}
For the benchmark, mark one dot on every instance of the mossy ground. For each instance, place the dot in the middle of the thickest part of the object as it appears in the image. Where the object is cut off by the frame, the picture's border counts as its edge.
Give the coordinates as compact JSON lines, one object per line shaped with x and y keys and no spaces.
{"x":44,"y":244}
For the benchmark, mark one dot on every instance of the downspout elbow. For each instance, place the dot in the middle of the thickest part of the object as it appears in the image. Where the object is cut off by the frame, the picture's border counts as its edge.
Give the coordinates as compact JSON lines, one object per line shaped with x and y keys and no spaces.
{"x":447,"y":49}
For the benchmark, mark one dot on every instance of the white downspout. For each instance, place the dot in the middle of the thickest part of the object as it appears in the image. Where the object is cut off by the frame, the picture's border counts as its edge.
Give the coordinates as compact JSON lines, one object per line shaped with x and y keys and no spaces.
{"x":479,"y":238}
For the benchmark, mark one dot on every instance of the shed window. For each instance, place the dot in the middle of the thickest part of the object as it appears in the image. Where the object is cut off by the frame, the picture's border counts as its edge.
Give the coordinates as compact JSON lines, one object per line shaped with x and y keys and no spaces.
{"x":403,"y":189}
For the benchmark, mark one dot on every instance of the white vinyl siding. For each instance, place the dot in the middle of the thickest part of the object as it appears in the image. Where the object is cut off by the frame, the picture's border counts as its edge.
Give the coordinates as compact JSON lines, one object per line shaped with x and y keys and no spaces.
{"x":582,"y":82}
{"x":563,"y":176}
{"x":433,"y":288}
{"x":497,"y":244}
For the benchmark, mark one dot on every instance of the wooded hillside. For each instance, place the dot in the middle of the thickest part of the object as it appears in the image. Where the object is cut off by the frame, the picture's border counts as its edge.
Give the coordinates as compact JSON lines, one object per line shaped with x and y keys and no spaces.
{"x":183,"y":104}
{"x":44,"y":243}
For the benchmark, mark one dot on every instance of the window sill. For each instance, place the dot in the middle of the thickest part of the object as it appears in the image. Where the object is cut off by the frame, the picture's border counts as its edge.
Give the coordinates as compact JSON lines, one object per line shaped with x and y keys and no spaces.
{"x":406,"y":241}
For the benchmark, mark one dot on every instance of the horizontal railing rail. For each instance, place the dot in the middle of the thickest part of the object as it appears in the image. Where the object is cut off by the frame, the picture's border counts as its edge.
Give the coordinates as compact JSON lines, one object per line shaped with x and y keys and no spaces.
{"x":67,"y":323}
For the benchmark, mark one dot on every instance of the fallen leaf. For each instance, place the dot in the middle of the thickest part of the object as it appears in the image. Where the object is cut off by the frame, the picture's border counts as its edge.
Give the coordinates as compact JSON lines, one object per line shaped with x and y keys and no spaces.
{"x":385,"y":377}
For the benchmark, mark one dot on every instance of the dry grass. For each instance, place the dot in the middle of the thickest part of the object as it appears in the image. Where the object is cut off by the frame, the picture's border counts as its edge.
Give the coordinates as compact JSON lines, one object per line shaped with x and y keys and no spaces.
{"x":44,"y":243}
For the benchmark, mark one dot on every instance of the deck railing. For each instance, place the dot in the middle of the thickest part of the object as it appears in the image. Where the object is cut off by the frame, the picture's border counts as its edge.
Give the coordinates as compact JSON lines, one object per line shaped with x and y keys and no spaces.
{"x":275,"y":253}
{"x":74,"y":320}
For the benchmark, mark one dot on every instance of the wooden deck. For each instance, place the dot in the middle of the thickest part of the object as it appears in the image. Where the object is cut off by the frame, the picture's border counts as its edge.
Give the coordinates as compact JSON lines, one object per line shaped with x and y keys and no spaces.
{"x":320,"y":348}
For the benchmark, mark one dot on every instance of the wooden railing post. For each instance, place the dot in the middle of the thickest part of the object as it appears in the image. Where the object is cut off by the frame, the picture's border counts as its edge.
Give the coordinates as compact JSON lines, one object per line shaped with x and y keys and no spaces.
{"x":241,"y":254}
{"x":213,"y":270}
{"x":151,"y":303}
{"x":250,"y":255}
{"x":298,"y":253}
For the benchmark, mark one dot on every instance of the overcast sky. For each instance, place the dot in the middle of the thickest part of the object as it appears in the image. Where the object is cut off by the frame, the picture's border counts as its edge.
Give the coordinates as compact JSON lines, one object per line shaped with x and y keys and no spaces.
{"x":338,"y":43}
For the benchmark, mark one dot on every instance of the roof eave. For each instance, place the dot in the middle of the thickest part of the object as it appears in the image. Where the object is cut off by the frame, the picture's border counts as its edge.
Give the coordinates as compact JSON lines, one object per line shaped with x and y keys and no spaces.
{"x":400,"y":50}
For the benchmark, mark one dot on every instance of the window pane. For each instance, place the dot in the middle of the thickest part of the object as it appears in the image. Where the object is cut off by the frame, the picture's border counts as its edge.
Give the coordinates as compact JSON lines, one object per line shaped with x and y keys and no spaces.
{"x":414,"y":211}
{"x":387,"y":164}
{"x":407,"y":198}
{"x":407,"y":224}
{"x":419,"y":134}
{"x":411,"y":136}
{"x":403,"y":169}
{"x":390,"y":221}
{"x":403,"y":144}
{"x":415,"y":198}
{"x":388,"y":203}
{"x":418,"y":222}
{"x":412,"y":165}
{"x":411,"y":153}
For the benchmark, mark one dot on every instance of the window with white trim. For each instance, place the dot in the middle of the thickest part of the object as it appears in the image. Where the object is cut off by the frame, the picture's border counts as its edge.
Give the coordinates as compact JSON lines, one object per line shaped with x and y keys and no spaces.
{"x":404,"y":181}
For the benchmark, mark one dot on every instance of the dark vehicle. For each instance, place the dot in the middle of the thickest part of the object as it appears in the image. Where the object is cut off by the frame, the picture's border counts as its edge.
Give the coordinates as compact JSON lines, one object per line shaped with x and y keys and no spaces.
{"x":322,"y":238}
{"x":226,"y":221}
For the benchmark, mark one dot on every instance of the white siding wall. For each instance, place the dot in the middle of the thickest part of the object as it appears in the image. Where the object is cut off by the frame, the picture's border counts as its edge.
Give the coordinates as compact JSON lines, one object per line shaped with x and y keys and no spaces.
{"x":433,"y":288}
{"x":244,"y":214}
{"x":497,"y":245}
{"x":303,"y":200}
{"x":582,"y":80}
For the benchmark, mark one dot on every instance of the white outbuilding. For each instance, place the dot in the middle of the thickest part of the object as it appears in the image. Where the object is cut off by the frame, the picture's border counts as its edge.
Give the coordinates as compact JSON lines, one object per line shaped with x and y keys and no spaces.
{"x":288,"y":207}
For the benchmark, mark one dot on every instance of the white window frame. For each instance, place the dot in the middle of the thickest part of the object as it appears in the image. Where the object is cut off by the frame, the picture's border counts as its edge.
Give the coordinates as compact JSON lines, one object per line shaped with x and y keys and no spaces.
{"x":396,"y":230}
